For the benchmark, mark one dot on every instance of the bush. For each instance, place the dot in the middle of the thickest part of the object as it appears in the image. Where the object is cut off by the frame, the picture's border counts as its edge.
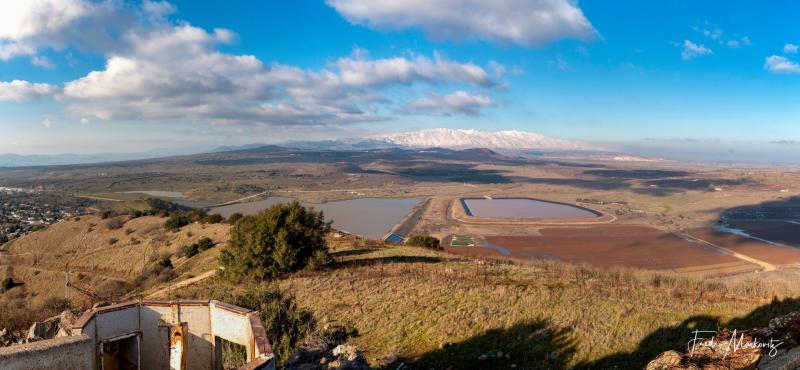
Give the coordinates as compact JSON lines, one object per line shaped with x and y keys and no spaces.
{"x":195,"y":248}
{"x":106,"y":214}
{"x":175,"y":222}
{"x":205,"y":243}
{"x":128,"y":231}
{"x":426,"y":241}
{"x":112,"y":241}
{"x":277,"y":240}
{"x":165,"y":263}
{"x":7,"y":284}
{"x":115,"y":223}
{"x":214,"y":219}
{"x":319,"y":259}
{"x":286,"y":324}
{"x":234,"y":217}
{"x":197,"y":215}
{"x":191,"y":251}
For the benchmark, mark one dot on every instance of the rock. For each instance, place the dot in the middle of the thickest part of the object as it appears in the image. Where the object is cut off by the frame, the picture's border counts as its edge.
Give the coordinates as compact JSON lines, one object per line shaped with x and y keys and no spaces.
{"x":499,"y":354}
{"x":483,"y":357}
{"x":307,"y":367}
{"x":6,"y":338}
{"x":346,"y":351}
{"x":664,"y":361}
{"x":41,"y":330}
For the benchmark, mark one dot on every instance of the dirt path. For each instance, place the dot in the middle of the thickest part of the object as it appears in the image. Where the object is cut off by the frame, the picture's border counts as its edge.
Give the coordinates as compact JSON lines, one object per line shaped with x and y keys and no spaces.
{"x":99,"y":198}
{"x":242,"y":199}
{"x":183,"y":283}
{"x":767,"y":266}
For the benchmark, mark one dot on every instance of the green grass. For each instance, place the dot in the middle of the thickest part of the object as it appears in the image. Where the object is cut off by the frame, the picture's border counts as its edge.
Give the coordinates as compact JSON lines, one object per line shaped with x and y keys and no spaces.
{"x":462,"y":241}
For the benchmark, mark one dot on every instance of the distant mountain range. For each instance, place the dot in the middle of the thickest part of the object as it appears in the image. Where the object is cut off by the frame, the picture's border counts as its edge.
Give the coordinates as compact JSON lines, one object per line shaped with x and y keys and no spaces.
{"x":456,"y":139}
{"x":464,"y":139}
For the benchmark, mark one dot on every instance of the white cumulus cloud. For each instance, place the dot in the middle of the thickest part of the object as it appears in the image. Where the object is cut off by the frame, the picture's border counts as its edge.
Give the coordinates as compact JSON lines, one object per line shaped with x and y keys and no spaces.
{"x":46,"y":123}
{"x":158,"y":69}
{"x":692,"y":50}
{"x":20,"y":91}
{"x":779,"y":64}
{"x":459,"y":102}
{"x":524,"y":22}
{"x":146,"y":82}
{"x":790,"y":49}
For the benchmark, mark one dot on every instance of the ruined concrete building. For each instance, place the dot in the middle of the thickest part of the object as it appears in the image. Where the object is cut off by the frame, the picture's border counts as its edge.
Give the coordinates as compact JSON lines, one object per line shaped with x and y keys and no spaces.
{"x":149,"y":335}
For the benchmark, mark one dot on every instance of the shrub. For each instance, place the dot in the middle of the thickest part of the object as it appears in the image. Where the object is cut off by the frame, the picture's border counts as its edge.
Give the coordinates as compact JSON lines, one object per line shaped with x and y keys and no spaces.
{"x":7,"y":284}
{"x":175,"y":222}
{"x":165,"y":262}
{"x":197,"y":215}
{"x":286,"y":324}
{"x":277,"y":240}
{"x":128,"y":231}
{"x":115,"y":223}
{"x":195,"y":248}
{"x":319,"y":259}
{"x":234,"y":217}
{"x":191,"y":251}
{"x":205,"y":243}
{"x":426,"y":241}
{"x":112,"y":241}
{"x":214,"y":219}
{"x":106,"y":214}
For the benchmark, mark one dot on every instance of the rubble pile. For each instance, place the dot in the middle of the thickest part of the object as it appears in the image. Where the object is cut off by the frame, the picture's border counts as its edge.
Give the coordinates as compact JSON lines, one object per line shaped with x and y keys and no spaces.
{"x":54,"y":327}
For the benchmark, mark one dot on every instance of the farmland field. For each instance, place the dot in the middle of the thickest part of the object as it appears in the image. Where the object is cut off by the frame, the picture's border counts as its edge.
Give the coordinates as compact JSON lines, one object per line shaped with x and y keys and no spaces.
{"x":606,"y":246}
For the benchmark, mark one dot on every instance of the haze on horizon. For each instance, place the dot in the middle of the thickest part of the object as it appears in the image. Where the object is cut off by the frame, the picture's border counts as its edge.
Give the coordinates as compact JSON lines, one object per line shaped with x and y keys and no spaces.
{"x":711,"y":81}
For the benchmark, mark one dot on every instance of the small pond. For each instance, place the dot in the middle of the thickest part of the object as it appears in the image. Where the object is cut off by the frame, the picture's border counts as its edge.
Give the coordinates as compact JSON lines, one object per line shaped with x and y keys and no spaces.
{"x":524,"y":208}
{"x":369,"y":217}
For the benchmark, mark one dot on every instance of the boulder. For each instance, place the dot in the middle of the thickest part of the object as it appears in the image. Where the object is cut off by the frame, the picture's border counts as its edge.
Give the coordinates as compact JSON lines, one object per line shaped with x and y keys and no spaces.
{"x":6,"y":338}
{"x":41,"y":330}
{"x":665,"y":361}
{"x":347,"y":352}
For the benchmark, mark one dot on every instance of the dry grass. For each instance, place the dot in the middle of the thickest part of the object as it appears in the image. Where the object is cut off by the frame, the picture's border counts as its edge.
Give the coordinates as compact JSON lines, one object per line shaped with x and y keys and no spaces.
{"x":110,"y":269}
{"x":411,"y":302}
{"x":437,"y":310}
{"x":433,"y":308}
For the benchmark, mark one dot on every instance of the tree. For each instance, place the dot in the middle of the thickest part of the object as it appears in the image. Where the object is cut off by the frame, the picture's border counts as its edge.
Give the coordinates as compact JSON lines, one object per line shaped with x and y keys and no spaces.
{"x":277,"y":240}
{"x":426,"y":241}
{"x":234,"y":217}
{"x":175,"y":222}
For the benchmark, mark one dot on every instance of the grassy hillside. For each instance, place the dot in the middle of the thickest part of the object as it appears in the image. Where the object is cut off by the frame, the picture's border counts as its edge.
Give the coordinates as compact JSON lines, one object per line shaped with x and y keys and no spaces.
{"x":439,"y":311}
{"x":430,"y":308}
{"x":107,"y":255}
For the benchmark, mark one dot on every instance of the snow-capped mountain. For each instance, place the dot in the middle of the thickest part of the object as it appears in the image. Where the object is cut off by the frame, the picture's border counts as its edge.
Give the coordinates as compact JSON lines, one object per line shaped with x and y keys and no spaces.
{"x":462,"y":139}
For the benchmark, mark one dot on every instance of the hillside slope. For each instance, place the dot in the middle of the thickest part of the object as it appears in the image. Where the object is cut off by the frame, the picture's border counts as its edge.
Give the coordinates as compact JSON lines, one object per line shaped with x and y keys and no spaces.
{"x":438,"y":311}
{"x":104,"y":258}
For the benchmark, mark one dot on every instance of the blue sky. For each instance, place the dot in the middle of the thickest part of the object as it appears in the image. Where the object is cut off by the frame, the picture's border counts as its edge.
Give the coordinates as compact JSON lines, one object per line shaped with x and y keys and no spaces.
{"x":97,"y":76}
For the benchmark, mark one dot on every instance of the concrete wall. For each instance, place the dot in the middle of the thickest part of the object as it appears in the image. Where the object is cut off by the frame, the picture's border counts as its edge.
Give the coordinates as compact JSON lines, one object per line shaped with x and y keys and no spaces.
{"x":150,"y":321}
{"x":75,"y":352}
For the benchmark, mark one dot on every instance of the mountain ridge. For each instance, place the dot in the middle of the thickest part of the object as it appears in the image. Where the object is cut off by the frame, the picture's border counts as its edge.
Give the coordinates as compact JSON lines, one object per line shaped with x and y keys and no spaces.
{"x":470,"y":138}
